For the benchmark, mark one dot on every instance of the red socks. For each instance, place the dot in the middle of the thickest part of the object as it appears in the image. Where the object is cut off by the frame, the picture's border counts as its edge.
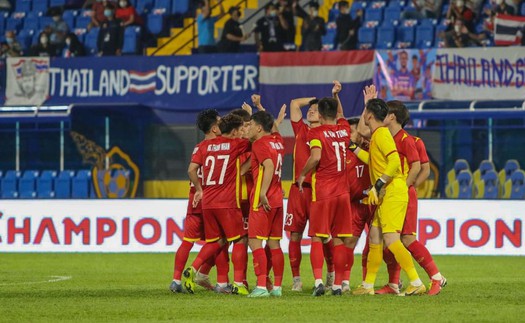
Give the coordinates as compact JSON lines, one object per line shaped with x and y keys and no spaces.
{"x":349,"y":263}
{"x":329,"y":255}
{"x":240,"y":262}
{"x":340,"y":263}
{"x":181,"y":257}
{"x":317,"y":259}
{"x":268,"y":252}
{"x":222,"y":261}
{"x":295,"y":255}
{"x":394,"y":270}
{"x":259,"y":266}
{"x":207,"y":266}
{"x":423,"y":257}
{"x":208,"y":250}
{"x":278,"y":266}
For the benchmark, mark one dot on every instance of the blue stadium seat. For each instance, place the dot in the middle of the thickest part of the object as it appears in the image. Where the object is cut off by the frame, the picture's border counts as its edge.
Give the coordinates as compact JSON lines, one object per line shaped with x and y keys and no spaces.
{"x":13,"y":24}
{"x":25,"y":38}
{"x":90,"y":41}
{"x":374,"y":14}
{"x":56,"y":3}
{"x":81,"y":184}
{"x":69,"y":17}
{"x":144,"y":6}
{"x":180,"y":6}
{"x":424,"y":36}
{"x":9,"y":184}
{"x":396,"y":3}
{"x":392,"y":14}
{"x":464,"y":180}
{"x":63,"y":184}
{"x":45,"y":21}
{"x":23,"y":5}
{"x":510,"y":167}
{"x":385,"y":37}
{"x":131,"y":40}
{"x":518,"y":185}
{"x":428,"y":22}
{"x":328,"y":39}
{"x":163,"y":4}
{"x":155,"y":23}
{"x":366,"y":37}
{"x":26,"y":184}
{"x":82,"y":21}
{"x":522,"y":11}
{"x":40,"y":6}
{"x":405,"y":36}
{"x":31,"y":21}
{"x":44,"y":184}
{"x":3,"y":18}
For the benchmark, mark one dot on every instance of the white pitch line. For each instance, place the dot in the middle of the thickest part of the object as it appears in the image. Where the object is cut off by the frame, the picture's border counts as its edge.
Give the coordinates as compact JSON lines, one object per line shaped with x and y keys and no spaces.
{"x":53,"y":279}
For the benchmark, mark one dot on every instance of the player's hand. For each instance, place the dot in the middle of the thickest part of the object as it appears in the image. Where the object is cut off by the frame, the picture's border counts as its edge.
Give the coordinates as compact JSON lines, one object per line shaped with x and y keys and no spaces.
{"x":256,"y":100}
{"x":246,"y":107}
{"x":337,"y":88}
{"x":300,"y":182}
{"x":197,"y":197}
{"x":282,"y":114}
{"x":373,"y":196}
{"x":263,"y":201}
{"x":370,"y":92}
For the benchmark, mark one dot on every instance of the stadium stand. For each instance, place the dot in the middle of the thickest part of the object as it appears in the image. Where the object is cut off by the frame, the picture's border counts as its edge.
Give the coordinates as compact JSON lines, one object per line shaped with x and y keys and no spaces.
{"x":9,"y":184}
{"x":27,"y":184}
{"x":63,"y":184}
{"x":45,"y":184}
{"x":81,"y":184}
{"x":488,"y":186}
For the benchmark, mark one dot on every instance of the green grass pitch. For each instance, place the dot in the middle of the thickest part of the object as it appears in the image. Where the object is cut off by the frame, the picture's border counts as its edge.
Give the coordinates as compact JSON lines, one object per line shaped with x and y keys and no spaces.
{"x":134,"y":287}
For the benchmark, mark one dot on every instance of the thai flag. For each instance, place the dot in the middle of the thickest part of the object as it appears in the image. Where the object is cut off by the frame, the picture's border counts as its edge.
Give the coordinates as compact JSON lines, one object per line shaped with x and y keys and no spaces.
{"x":508,"y":30}
{"x":290,"y":75}
{"x":142,"y":82}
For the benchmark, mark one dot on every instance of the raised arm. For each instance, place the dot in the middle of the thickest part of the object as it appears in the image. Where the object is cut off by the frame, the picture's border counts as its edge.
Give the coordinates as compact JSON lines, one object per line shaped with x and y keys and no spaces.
{"x":280,"y":118}
{"x":369,"y":92}
{"x":335,"y":93}
{"x":295,"y":108}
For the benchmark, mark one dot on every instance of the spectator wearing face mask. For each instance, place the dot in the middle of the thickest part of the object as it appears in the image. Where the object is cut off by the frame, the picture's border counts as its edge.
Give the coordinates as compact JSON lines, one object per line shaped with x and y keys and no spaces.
{"x":111,"y":35}
{"x":460,"y":36}
{"x":424,"y":9}
{"x":72,"y":47}
{"x":59,"y":29}
{"x":458,"y":10}
{"x":346,"y":32}
{"x":313,"y":27}
{"x":43,"y":48}
{"x":98,"y":17}
{"x":127,"y":14}
{"x":14,"y":49}
{"x":270,"y":30}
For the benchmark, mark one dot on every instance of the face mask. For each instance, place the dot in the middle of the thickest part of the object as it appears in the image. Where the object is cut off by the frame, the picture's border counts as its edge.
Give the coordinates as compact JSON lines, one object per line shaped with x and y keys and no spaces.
{"x":460,"y":4}
{"x":56,"y":18}
{"x":315,"y":13}
{"x":344,"y":11}
{"x":457,"y":28}
{"x":273,"y":13}
{"x":498,"y":2}
{"x":43,"y":40}
{"x":123,"y":4}
{"x":68,"y":41}
{"x":9,"y":40}
{"x":108,"y":13}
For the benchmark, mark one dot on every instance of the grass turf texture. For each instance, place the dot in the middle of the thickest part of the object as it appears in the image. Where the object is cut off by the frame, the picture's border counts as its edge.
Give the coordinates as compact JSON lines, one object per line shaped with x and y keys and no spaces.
{"x":125,"y":287}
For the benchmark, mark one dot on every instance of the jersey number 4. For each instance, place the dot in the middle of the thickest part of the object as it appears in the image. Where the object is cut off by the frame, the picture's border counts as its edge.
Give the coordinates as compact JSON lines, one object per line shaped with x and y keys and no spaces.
{"x":210,"y":162}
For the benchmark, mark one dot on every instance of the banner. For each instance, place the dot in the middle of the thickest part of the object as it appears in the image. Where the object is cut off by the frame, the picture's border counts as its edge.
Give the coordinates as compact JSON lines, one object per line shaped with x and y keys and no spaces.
{"x":446,"y":227}
{"x":404,"y":74}
{"x":27,"y":80}
{"x":508,"y":30}
{"x":479,"y":74}
{"x":182,"y":83}
{"x":290,"y":75}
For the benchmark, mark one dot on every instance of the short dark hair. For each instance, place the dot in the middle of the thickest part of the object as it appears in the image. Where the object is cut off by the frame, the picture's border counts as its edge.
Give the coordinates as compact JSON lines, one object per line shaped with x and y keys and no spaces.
{"x":263,"y":119}
{"x":399,"y":110}
{"x":230,"y":122}
{"x":343,"y":4}
{"x":206,"y":119}
{"x":233,"y":9}
{"x":378,"y":108}
{"x":328,"y":108}
{"x":245,"y":115}
{"x":269,"y":5}
{"x":353,"y":121}
{"x":313,"y":4}
{"x":313,"y":101}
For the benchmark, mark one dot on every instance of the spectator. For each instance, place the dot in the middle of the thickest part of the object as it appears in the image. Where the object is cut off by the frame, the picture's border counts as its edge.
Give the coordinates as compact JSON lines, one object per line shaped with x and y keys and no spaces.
{"x":346,"y":34}
{"x":313,"y":27}
{"x":503,"y":8}
{"x":206,"y":28}
{"x":111,"y":35}
{"x":458,"y":10}
{"x":98,"y":17}
{"x":14,"y":49}
{"x":285,"y":8}
{"x":127,"y":14}
{"x":424,"y":9}
{"x":270,"y":30}
{"x":460,"y":36}
{"x":232,"y":34}
{"x":72,"y":46}
{"x":59,"y":29}
{"x":43,"y":48}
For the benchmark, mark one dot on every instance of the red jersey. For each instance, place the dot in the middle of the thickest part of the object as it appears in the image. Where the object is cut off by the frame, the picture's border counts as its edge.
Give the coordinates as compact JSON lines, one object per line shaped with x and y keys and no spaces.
{"x":301,"y":150}
{"x":357,"y":177}
{"x":406,"y":148}
{"x":267,"y":147}
{"x":246,"y":179}
{"x":422,"y":151}
{"x":220,"y":171}
{"x":329,"y":177}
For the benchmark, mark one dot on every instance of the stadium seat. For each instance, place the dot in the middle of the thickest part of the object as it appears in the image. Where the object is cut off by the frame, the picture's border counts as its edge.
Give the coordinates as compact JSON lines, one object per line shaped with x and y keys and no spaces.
{"x":82,"y":21}
{"x":81,"y":184}
{"x":63,"y":184}
{"x":488,"y":186}
{"x":25,"y":38}
{"x":459,"y":165}
{"x":385,"y":38}
{"x":180,"y":6}
{"x":510,"y":167}
{"x":31,"y":21}
{"x":144,"y":6}
{"x":69,"y":17}
{"x":155,"y":23}
{"x":23,"y":5}
{"x":522,"y":11}
{"x":44,"y":184}
{"x":57,"y":3}
{"x":164,"y":4}
{"x":464,"y":184}
{"x":366,"y":37}
{"x":13,"y":24}
{"x":26,"y":184}
{"x":40,"y":6}
{"x":484,"y":167}
{"x":392,"y":14}
{"x":404,"y":36}
{"x":45,"y":21}
{"x":131,"y":40}
{"x":428,"y":22}
{"x":90,"y":41}
{"x":396,"y":3}
{"x":424,"y":36}
{"x":9,"y":184}
{"x":374,"y":14}
{"x":517,"y":181}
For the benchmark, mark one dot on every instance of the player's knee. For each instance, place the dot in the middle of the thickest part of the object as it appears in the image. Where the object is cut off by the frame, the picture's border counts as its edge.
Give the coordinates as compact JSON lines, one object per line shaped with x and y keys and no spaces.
{"x":351,"y":242}
{"x":296,"y":236}
{"x":274,"y":244}
{"x":407,"y":239}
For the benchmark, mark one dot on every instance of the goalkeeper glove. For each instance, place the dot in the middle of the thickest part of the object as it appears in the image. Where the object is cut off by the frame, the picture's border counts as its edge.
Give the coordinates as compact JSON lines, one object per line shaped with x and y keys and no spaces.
{"x":373,"y":192}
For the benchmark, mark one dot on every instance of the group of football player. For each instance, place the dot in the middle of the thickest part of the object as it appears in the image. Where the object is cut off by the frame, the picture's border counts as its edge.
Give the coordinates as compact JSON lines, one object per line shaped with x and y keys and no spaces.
{"x":348,"y":174}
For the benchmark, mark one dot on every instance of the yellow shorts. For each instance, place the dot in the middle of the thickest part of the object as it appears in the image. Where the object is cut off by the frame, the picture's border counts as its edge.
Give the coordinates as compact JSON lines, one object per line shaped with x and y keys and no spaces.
{"x":390,"y":216}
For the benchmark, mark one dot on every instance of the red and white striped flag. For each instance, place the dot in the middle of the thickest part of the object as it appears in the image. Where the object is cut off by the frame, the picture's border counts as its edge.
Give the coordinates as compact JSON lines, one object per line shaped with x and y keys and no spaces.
{"x":508,"y":30}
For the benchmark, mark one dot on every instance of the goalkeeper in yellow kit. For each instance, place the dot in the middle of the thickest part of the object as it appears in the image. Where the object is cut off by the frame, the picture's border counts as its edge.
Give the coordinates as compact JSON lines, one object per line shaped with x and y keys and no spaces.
{"x":390,"y":193}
